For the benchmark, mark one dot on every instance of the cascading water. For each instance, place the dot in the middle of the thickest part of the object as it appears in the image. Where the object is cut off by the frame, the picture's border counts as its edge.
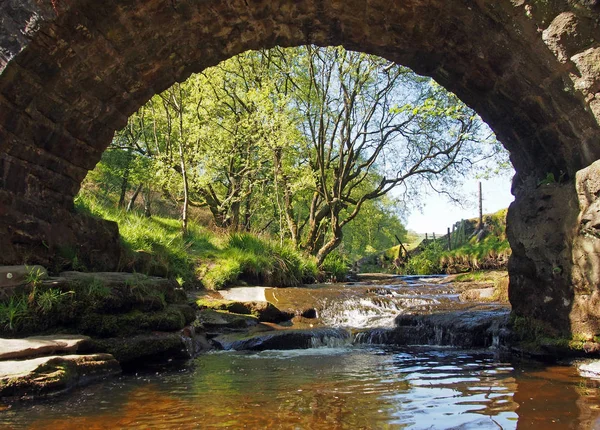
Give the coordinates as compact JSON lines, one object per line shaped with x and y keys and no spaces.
{"x":369,"y":312}
{"x":399,"y":311}
{"x":354,"y":370}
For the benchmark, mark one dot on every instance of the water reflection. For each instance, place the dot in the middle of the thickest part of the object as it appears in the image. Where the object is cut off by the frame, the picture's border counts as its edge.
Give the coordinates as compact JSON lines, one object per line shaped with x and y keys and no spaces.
{"x":332,"y":388}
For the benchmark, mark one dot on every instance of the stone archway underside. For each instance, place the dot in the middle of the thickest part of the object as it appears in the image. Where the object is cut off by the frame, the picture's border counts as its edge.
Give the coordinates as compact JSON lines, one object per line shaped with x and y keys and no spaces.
{"x":72,"y":71}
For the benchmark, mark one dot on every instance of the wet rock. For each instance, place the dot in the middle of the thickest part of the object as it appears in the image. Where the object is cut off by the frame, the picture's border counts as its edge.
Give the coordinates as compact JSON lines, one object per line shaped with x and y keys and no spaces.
{"x":48,"y":376}
{"x":476,"y":294}
{"x":264,"y":311}
{"x":267,"y":312}
{"x":11,"y":276}
{"x":309,"y":313}
{"x":284,"y":339}
{"x":461,"y":329}
{"x":144,"y":348}
{"x":221,"y":320}
{"x":590,"y":369}
{"x":11,"y":349}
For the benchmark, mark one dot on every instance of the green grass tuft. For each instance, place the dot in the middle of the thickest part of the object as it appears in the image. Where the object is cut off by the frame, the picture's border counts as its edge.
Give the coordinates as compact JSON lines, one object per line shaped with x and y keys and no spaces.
{"x":156,"y":246}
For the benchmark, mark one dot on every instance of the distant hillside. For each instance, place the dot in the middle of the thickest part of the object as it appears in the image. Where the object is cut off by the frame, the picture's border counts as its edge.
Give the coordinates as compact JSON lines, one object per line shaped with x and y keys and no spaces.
{"x":467,"y":249}
{"x":487,"y":248}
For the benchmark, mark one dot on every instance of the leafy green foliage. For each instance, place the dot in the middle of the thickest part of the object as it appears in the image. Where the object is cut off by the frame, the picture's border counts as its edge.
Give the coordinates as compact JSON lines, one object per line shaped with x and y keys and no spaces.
{"x":427,"y":262}
{"x":491,"y":252}
{"x":217,"y":260}
{"x":12,"y":312}
{"x":34,"y":276}
{"x":336,"y":266}
{"x":49,"y":299}
{"x":96,"y":289}
{"x":301,"y":143}
{"x":260,"y":261}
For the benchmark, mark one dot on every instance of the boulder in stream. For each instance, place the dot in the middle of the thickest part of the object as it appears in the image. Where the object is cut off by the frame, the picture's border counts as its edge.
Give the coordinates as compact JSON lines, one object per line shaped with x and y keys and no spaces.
{"x":284,"y":339}
{"x":475,"y":328}
{"x":48,"y":376}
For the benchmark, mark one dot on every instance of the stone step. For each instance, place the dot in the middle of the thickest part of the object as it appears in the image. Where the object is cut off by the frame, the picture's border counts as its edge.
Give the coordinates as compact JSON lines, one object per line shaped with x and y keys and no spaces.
{"x":11,"y":276}
{"x":36,"y":346}
{"x":48,"y":376}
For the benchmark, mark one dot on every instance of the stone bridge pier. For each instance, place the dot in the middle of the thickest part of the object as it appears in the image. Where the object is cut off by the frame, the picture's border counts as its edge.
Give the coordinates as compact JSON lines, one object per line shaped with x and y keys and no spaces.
{"x":72,"y":71}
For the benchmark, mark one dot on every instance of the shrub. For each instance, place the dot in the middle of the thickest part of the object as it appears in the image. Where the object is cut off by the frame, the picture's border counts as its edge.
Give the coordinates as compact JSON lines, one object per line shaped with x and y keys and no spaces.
{"x":336,"y":266}
{"x":156,"y":243}
{"x":12,"y":312}
{"x":223,"y":274}
{"x":427,"y":262}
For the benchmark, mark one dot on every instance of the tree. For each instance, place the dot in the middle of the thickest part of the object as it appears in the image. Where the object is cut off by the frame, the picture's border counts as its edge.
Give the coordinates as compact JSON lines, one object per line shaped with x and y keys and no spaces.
{"x":300,"y":142}
{"x":372,"y":126}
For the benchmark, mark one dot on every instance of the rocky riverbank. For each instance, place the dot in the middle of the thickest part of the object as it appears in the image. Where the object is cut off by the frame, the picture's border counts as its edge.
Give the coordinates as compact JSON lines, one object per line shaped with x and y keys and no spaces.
{"x":134,"y":321}
{"x":60,"y":332}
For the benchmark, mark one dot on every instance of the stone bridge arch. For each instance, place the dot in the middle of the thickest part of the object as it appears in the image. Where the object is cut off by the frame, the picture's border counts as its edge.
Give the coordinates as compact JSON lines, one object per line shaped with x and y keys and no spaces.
{"x":72,"y":71}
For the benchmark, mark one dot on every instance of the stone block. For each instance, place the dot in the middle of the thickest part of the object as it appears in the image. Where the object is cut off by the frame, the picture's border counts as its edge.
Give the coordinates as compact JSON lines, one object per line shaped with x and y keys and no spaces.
{"x":11,"y":276}
{"x":569,"y":34}
{"x":588,"y":65}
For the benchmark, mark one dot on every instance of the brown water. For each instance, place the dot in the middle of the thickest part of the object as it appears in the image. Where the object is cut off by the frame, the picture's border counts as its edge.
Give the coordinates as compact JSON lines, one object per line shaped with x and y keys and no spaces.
{"x":329,"y":388}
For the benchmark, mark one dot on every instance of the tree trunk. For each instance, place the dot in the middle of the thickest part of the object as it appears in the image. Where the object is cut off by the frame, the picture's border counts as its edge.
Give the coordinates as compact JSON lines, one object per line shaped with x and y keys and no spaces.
{"x":134,"y":197}
{"x":326,"y":249}
{"x":184,"y":176}
{"x":247,"y":213}
{"x":147,"y":201}
{"x":124,"y":186}
{"x":184,"y":211}
{"x":288,"y":207}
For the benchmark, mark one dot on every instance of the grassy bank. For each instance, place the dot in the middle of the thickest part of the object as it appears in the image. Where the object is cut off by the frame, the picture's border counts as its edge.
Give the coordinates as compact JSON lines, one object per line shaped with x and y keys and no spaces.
{"x":489,"y":251}
{"x":155,"y":246}
{"x":480,"y":250}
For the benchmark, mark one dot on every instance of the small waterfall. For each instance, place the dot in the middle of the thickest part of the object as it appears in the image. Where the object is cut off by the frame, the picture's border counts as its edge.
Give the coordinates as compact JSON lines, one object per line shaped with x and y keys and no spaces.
{"x":370,"y":311}
{"x":376,"y":336}
{"x":331,"y":338}
{"x":461,"y":329}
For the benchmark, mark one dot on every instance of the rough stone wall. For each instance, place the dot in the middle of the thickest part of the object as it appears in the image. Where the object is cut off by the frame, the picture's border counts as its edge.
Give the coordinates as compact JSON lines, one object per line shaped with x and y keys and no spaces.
{"x":555,"y":269}
{"x":72,"y":71}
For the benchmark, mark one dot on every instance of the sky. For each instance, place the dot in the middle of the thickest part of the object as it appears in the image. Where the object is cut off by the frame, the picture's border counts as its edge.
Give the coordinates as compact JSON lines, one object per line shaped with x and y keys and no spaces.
{"x":438,"y":213}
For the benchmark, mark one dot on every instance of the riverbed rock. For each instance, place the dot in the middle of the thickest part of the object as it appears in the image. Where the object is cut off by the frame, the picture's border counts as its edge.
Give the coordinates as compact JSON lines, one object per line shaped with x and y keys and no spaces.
{"x":476,"y":294}
{"x":284,"y":339}
{"x":222,"y":320}
{"x":144,"y":348}
{"x":18,"y":349}
{"x":48,"y":376}
{"x":590,"y":369}
{"x":263,"y":310}
{"x":477,"y":328}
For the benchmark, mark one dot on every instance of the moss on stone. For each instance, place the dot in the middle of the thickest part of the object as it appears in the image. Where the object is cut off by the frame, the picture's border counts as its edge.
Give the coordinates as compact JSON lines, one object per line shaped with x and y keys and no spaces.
{"x":172,"y":318}
{"x":145,"y":346}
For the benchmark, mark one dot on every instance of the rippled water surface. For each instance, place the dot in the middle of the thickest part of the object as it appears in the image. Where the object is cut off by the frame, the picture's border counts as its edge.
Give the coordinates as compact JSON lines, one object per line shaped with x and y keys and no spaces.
{"x":329,"y":388}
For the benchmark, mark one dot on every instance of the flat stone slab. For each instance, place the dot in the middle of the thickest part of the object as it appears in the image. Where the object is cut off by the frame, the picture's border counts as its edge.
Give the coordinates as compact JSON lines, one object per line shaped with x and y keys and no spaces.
{"x":11,"y":349}
{"x":110,"y":279}
{"x":285,"y":339}
{"x":11,"y":276}
{"x":245,"y":294}
{"x":48,"y":376}
{"x":590,"y":370}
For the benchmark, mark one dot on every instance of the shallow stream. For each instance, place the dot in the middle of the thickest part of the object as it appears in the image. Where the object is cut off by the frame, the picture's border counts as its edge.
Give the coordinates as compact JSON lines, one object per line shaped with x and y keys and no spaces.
{"x":339,"y":387}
